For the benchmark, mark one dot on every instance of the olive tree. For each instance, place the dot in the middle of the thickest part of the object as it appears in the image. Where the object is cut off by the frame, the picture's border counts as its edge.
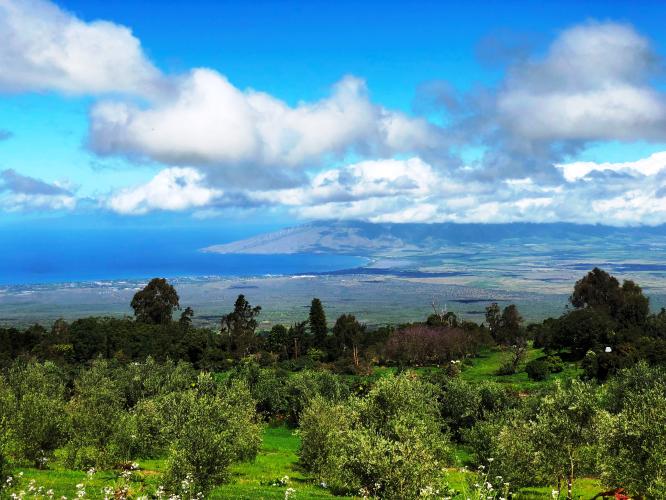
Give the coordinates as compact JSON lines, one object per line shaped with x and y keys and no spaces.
{"x":211,"y":430}
{"x":633,"y":446}
{"x":387,"y":444}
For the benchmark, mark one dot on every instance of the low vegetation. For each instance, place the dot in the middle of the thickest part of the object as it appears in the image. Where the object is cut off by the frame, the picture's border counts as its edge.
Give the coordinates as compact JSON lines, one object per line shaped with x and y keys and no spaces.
{"x":155,"y":407}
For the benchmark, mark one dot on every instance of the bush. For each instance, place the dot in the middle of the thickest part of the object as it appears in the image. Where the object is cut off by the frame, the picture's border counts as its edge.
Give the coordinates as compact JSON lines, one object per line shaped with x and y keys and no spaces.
{"x":633,"y":444}
{"x":537,"y":370}
{"x":541,"y":368}
{"x":39,"y":423}
{"x":6,"y":409}
{"x":213,"y":431}
{"x":386,"y":444}
{"x":95,"y":412}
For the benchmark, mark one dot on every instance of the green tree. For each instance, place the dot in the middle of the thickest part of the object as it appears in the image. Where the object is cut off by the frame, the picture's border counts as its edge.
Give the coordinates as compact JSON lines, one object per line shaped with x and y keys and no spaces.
{"x":277,"y":340}
{"x":510,"y":327}
{"x":494,"y":319}
{"x":297,"y":339}
{"x":213,"y":429}
{"x":387,"y":444}
{"x":96,"y":412}
{"x":39,"y":423}
{"x":186,"y":316}
{"x":156,"y":302}
{"x":597,"y":289}
{"x":632,"y":441}
{"x":239,"y":326}
{"x":317,"y":321}
{"x":601,"y":291}
{"x":565,"y":430}
{"x":348,"y":334}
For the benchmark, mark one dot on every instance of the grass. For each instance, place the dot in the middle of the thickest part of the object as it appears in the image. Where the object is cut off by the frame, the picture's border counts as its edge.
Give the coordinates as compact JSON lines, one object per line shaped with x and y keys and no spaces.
{"x":486,"y":365}
{"x":277,"y":458}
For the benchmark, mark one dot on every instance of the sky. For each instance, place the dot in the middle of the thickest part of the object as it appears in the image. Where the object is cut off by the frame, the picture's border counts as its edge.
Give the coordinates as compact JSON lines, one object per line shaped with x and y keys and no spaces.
{"x":263,"y":114}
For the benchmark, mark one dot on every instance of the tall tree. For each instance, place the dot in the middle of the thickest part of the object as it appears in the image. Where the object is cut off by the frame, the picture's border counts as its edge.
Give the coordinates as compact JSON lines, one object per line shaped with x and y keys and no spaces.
{"x":239,"y":326}
{"x":317,"y":321}
{"x":348,"y":335}
{"x":494,"y":319}
{"x":186,"y":316}
{"x":598,"y":290}
{"x":156,"y":302}
{"x":297,"y":339}
{"x":510,"y":328}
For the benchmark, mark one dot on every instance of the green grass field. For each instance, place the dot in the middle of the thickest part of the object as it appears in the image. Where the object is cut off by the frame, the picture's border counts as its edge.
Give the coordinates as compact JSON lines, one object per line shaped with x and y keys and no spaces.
{"x":488,"y":362}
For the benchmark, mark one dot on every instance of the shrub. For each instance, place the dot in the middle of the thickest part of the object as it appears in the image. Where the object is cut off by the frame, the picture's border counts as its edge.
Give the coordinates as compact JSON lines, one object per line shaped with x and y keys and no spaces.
{"x":633,"y":444}
{"x":95,"y":412}
{"x":39,"y":423}
{"x":214,"y":431}
{"x":386,"y":444}
{"x":6,"y":410}
{"x":538,"y":369}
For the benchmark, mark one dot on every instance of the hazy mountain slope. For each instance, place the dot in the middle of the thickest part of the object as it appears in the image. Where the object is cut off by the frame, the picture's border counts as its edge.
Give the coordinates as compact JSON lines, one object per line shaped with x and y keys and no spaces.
{"x":362,"y":238}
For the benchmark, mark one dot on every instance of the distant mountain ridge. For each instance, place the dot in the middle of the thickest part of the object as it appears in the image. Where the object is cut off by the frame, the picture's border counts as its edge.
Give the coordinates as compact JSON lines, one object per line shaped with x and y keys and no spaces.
{"x":365,"y":238}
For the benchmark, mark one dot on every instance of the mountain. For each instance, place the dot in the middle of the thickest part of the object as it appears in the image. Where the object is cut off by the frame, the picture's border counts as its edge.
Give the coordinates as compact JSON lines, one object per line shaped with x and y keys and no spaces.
{"x":368,"y":239}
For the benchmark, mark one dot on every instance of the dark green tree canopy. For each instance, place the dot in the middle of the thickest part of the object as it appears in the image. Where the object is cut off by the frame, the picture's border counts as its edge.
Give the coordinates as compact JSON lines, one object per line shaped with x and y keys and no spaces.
{"x":317,"y":321}
{"x":239,"y":325}
{"x":347,"y":332}
{"x":505,"y":325}
{"x":156,"y":302}
{"x":186,"y":317}
{"x":601,"y":291}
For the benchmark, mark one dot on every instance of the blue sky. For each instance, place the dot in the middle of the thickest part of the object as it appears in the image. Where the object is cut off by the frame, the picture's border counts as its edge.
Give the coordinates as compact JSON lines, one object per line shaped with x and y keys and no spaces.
{"x":270,"y":113}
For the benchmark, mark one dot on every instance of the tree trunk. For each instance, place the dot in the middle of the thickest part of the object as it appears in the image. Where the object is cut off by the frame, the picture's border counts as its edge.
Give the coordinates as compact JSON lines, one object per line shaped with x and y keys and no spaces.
{"x":570,"y":480}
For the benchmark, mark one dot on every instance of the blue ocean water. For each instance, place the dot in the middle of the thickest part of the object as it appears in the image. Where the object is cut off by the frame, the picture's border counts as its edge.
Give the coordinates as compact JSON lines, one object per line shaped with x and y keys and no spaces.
{"x":52,"y":256}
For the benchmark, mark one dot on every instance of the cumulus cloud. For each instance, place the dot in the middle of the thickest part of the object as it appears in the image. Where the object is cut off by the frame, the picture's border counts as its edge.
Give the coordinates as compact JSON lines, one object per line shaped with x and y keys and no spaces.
{"x":242,"y":148}
{"x":414,"y":191}
{"x":209,"y":122}
{"x":596,"y":82}
{"x":171,"y":189}
{"x":593,"y":84}
{"x":20,"y":193}
{"x":45,"y":48}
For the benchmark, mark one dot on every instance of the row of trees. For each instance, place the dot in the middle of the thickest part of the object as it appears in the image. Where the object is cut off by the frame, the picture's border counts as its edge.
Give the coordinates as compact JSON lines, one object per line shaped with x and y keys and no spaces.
{"x":609,"y":327}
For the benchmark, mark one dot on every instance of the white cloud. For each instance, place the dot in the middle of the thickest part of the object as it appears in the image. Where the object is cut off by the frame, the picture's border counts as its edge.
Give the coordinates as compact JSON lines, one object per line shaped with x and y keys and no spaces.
{"x":24,"y":202}
{"x":210,"y":122}
{"x":22,"y":193}
{"x":44,"y":48}
{"x":413,"y":191}
{"x":360,"y":181}
{"x":593,"y":84}
{"x":171,"y":189}
{"x":651,"y":165}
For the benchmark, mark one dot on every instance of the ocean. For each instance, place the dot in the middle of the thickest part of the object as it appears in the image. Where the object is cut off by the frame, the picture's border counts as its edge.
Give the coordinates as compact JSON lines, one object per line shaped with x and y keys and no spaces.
{"x":33,"y":256}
